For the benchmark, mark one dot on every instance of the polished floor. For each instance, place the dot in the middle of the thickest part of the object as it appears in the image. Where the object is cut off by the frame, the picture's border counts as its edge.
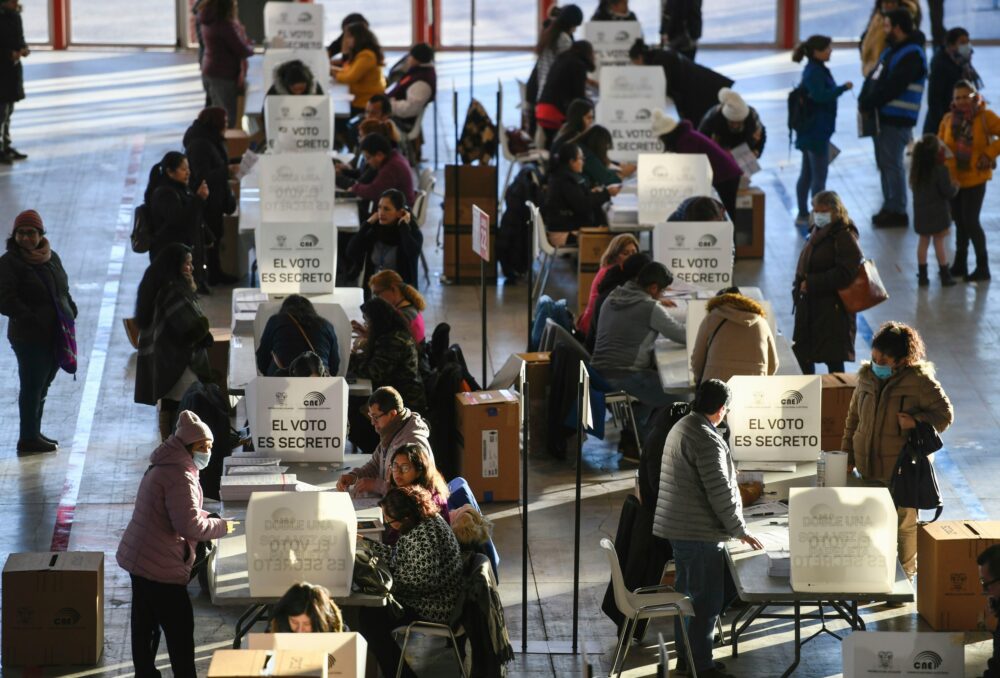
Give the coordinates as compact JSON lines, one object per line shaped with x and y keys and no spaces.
{"x":95,"y":122}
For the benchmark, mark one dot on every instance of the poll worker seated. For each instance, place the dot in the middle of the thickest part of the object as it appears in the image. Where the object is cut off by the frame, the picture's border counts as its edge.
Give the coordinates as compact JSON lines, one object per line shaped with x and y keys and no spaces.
{"x":306,"y":608}
{"x":389,"y":285}
{"x":415,"y":89}
{"x":734,"y":338}
{"x":414,"y":465}
{"x":571,"y":202}
{"x":426,"y":569}
{"x":396,"y":427}
{"x":293,"y":330}
{"x":389,"y":240}
{"x":699,"y":208}
{"x":630,"y":321}
{"x":732,"y":122}
{"x":378,"y":109}
{"x":391,"y":170}
{"x":335,"y":50}
{"x":989,"y":577}
{"x":307,"y":364}
{"x":356,"y":171}
{"x":294,"y":78}
{"x":613,"y":10}
{"x":613,"y":279}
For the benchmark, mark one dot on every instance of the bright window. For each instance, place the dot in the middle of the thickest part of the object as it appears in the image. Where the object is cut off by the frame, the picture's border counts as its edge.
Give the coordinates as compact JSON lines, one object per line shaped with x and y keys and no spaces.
{"x":507,"y":22}
{"x":35,"y":17}
{"x":390,"y":20}
{"x":123,"y":22}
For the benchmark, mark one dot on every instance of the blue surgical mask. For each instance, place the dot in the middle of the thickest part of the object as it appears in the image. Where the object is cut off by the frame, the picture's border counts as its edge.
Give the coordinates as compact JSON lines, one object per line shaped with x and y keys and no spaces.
{"x":964,"y":51}
{"x":881,"y":371}
{"x":201,"y":460}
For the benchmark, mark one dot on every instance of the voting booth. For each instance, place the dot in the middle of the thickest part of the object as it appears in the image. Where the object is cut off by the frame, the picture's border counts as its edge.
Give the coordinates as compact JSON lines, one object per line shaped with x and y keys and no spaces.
{"x":629,"y":95}
{"x":699,"y":253}
{"x":775,"y":418}
{"x":332,"y":313}
{"x":611,"y":41}
{"x":296,"y":124}
{"x":904,"y":654}
{"x":280,"y":664}
{"x":298,"y":418}
{"x":347,"y":651}
{"x":842,"y":539}
{"x":300,"y":536}
{"x":316,"y":59}
{"x":294,"y":25}
{"x":665,"y":180}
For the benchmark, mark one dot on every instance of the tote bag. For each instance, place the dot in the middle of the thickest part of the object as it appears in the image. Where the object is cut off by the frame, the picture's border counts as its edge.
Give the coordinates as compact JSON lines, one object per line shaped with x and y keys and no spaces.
{"x":865,"y":291}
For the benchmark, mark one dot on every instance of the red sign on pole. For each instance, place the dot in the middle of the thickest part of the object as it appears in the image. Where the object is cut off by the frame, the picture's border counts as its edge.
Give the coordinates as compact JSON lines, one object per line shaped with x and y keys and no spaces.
{"x":481,"y":233}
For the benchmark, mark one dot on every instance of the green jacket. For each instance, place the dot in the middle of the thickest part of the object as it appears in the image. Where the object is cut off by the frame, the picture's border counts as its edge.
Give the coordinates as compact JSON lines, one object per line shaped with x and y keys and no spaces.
{"x":392,"y":360}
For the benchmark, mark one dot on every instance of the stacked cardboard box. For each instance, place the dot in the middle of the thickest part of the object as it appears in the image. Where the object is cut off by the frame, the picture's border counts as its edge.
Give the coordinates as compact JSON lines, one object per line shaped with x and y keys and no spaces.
{"x":949,"y":595}
{"x":468,"y":185}
{"x":593,"y":242}
{"x":748,"y":224}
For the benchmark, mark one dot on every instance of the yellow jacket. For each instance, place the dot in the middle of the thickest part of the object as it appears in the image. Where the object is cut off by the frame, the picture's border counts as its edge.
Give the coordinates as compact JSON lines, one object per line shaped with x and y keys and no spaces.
{"x":985,"y":121}
{"x":363,"y":74}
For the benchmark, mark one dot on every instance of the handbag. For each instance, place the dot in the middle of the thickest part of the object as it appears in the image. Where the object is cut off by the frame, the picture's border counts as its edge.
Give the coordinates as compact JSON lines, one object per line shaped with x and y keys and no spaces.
{"x":142,"y":230}
{"x":914,"y":482}
{"x":65,"y":331}
{"x":865,"y":291}
{"x":373,"y":578}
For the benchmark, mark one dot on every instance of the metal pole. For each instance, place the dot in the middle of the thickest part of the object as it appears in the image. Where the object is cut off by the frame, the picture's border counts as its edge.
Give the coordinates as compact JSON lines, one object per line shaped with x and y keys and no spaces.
{"x":482,"y":286}
{"x":579,"y":499}
{"x":472,"y":50}
{"x":458,"y":204}
{"x":524,"y":509}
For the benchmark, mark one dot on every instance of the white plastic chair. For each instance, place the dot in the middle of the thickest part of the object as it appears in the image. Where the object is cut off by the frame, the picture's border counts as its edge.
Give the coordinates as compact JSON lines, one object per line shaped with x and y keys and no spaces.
{"x":420,"y":217}
{"x":546,"y":249}
{"x":430,"y":629}
{"x":411,"y":138}
{"x":426,"y":181}
{"x":646,"y":602}
{"x":534,"y":155}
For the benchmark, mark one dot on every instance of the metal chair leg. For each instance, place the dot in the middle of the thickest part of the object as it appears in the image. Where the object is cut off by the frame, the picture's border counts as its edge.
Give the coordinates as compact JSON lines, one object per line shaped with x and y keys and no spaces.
{"x":458,"y":656}
{"x":623,"y":640}
{"x":402,"y":653}
{"x":630,"y":414}
{"x":549,"y":263}
{"x":633,"y":622}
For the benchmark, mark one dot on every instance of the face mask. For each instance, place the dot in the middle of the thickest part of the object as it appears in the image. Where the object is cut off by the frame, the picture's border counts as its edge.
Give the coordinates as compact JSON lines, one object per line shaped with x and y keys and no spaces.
{"x":881,"y":371}
{"x":822,"y":219}
{"x":201,"y":460}
{"x":964,"y":51}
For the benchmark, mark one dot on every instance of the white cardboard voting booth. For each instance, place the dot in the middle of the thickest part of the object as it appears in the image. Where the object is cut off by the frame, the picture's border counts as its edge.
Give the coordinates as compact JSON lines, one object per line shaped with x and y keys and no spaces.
{"x":295,"y":258}
{"x":348,"y":651}
{"x":293,"y":25}
{"x":697,"y":311}
{"x":665,"y":180}
{"x":299,"y":123}
{"x":611,"y":41}
{"x":908,"y":655}
{"x":842,"y":539}
{"x":699,"y":253}
{"x":316,"y":59}
{"x":629,"y":95}
{"x":296,"y":188}
{"x":775,"y":418}
{"x":300,"y":536}
{"x":300,"y":418}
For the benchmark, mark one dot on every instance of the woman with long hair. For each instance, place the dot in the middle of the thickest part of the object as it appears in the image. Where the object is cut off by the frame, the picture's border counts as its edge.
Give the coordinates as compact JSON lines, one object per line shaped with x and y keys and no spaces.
{"x":389,"y":240}
{"x":596,"y":143}
{"x":579,"y":118}
{"x":571,"y":203}
{"x":362,"y":72}
{"x":620,"y":248}
{"x":387,"y":354}
{"x":404,"y":298}
{"x":555,"y":39}
{"x":414,"y":465}
{"x":227,"y":48}
{"x":306,"y":608}
{"x":292,"y":331}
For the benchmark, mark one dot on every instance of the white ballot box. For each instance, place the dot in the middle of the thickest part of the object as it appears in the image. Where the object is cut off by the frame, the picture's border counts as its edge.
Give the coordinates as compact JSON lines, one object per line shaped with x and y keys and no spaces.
{"x":295,"y":26}
{"x":842,"y":539}
{"x":611,"y":41}
{"x":296,"y":188}
{"x":629,"y":95}
{"x":316,"y":59}
{"x":298,"y":418}
{"x":775,"y":418}
{"x":296,"y":258}
{"x":904,"y":654}
{"x":300,"y":536}
{"x":347,"y":650}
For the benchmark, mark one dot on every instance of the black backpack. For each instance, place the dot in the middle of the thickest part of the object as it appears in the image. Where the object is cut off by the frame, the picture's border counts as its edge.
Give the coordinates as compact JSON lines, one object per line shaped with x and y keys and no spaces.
{"x":514,"y":236}
{"x":799,"y":111}
{"x":142,"y":230}
{"x":914,"y":483}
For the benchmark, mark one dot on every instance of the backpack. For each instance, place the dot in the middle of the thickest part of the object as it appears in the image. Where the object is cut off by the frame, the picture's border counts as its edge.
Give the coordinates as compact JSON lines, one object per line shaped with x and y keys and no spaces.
{"x":799,"y":110}
{"x":513,"y":243}
{"x":914,"y":483}
{"x":142,"y":230}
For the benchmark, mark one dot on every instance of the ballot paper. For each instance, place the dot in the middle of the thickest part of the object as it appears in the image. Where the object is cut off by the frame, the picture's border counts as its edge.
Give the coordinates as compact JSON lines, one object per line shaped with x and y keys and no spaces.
{"x":746,"y":159}
{"x":239,"y":488}
{"x":765,"y":509}
{"x":779,"y":564}
{"x":252,"y":469}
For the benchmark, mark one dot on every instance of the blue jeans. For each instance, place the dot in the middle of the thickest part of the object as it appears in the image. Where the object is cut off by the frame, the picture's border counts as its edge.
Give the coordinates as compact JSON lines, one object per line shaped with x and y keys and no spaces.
{"x":890,"y":145}
{"x":812,"y":177}
{"x":647,"y":387}
{"x":701,"y":570}
{"x":36,"y":368}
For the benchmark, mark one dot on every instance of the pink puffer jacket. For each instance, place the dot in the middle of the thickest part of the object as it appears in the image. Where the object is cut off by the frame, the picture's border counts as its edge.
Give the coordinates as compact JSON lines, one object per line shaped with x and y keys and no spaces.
{"x":168,"y":521}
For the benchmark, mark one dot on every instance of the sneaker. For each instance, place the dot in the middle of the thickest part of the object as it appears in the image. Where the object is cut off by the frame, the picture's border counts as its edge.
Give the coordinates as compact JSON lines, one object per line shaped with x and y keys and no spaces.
{"x":16,"y":154}
{"x":879,"y":219}
{"x":891,"y":220}
{"x":34,"y":446}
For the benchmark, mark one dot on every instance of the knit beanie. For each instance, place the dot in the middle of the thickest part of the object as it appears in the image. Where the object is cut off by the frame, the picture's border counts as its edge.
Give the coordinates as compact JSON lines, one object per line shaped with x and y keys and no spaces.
{"x":422,"y":52}
{"x":29,"y":219}
{"x":191,"y":429}
{"x":663,"y":123}
{"x":734,"y":108}
{"x":570,"y":15}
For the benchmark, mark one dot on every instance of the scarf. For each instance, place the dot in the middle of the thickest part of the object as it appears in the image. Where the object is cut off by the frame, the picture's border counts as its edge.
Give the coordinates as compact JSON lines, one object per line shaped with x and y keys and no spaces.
{"x":40,"y":255}
{"x":389,"y":234}
{"x":961,"y":132}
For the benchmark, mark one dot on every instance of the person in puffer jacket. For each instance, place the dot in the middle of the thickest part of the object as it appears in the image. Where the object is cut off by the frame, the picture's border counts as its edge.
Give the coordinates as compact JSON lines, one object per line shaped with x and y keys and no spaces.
{"x":734,"y":338}
{"x":158,"y":547}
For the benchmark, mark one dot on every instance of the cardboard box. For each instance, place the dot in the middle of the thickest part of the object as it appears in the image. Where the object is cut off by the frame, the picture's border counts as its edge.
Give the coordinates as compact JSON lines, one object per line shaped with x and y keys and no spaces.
{"x":237,"y":143}
{"x":348,"y":651}
{"x":53,"y":608}
{"x":949,"y":595}
{"x":467,"y":271}
{"x":218,"y":356}
{"x":748,"y":224}
{"x":837,"y":391}
{"x":538,"y":371}
{"x":252,"y":663}
{"x":593,"y":243}
{"x":476,"y":185}
{"x":489,"y":443}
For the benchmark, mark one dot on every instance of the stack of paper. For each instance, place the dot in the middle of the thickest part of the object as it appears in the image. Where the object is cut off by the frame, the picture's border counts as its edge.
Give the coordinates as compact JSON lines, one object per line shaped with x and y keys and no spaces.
{"x":261,"y":464}
{"x":254,"y":470}
{"x":779,"y":564}
{"x":240,"y":487}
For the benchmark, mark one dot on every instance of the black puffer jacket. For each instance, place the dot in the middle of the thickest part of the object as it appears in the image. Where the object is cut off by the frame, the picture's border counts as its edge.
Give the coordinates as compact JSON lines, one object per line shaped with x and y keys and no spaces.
{"x":570,"y":204}
{"x":206,"y":153}
{"x":177,"y":217}
{"x":11,"y":72}
{"x":27,"y":301}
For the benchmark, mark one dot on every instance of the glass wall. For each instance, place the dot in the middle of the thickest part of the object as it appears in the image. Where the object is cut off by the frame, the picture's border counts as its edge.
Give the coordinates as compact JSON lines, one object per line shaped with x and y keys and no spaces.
{"x":841,"y":20}
{"x":510,"y":22}
{"x":35,"y":17}
{"x":390,"y":20}
{"x":123,"y":22}
{"x":738,"y":21}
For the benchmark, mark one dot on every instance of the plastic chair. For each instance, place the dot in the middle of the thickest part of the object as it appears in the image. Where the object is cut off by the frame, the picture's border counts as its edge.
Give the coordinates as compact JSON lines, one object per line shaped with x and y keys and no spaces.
{"x":646,"y":602}
{"x":419,"y":217}
{"x":533,"y":155}
{"x":412,"y":140}
{"x":460,"y":494}
{"x":435,"y":630}
{"x":426,"y":181}
{"x":545,"y":248}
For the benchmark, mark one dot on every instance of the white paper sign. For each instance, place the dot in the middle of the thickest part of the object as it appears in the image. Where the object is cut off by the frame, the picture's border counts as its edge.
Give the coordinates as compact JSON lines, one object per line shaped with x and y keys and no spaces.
{"x":298,"y":418}
{"x":699,"y":253}
{"x":296,"y":258}
{"x":296,"y":188}
{"x":665,"y":180}
{"x":611,"y":41}
{"x":842,"y":539}
{"x":775,"y":418}
{"x":697,"y":311}
{"x":629,"y":95}
{"x":904,"y":654}
{"x":299,"y":123}
{"x":294,"y":25}
{"x":481,"y":233}
{"x":316,"y":59}
{"x":300,"y":536}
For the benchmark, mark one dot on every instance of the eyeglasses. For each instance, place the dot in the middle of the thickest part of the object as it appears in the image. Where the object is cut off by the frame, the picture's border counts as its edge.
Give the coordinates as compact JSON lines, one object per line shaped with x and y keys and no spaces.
{"x":376,"y":417}
{"x":988,"y":584}
{"x":402,"y":468}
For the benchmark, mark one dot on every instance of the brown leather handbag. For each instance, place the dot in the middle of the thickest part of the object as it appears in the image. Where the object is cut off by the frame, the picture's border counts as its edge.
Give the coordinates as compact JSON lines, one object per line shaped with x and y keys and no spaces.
{"x":865,"y":291}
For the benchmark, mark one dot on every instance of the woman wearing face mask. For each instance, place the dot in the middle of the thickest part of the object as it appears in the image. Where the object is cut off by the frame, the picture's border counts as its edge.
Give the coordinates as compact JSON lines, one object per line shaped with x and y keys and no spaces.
{"x":158,"y":547}
{"x":824,"y":329}
{"x":390,"y":239}
{"x":952,"y":62}
{"x":306,"y":608}
{"x":895,"y":390}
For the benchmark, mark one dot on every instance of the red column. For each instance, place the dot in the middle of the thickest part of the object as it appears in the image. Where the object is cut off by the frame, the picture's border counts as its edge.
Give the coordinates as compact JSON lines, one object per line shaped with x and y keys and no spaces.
{"x":424,"y":21}
{"x":543,"y":9}
{"x":788,"y":20}
{"x":59,"y":12}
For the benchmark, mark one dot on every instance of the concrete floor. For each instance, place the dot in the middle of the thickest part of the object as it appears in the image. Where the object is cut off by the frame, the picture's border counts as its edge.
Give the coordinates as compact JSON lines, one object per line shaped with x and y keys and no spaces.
{"x":95,"y":122}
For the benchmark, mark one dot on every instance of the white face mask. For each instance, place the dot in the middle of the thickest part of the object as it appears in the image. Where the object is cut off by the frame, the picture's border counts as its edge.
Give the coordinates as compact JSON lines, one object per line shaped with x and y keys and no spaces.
{"x":965,"y":50}
{"x":821,"y":219}
{"x":201,"y":460}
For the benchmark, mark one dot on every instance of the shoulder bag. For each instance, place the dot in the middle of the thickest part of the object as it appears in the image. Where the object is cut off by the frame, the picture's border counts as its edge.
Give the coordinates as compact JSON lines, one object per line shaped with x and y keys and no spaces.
{"x":372,"y":577}
{"x":914,"y":483}
{"x":274,"y":356}
{"x":865,"y":291}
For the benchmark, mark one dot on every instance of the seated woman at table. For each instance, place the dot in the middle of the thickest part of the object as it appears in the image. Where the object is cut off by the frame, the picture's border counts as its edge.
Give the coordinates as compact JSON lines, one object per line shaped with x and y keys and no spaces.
{"x":306,"y":608}
{"x":571,"y":203}
{"x":412,"y":465}
{"x":308,"y":364}
{"x":734,"y":338}
{"x":620,"y":248}
{"x":426,"y":568}
{"x":362,"y":71}
{"x":407,"y":300}
{"x":293,"y":330}
{"x":390,"y":239}
{"x":579,"y":118}
{"x":596,"y":142}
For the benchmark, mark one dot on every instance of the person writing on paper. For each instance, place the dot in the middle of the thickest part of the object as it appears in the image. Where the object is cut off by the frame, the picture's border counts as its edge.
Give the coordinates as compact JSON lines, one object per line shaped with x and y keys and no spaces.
{"x":989,"y":577}
{"x":414,"y":465}
{"x":596,"y":143}
{"x":613,"y":10}
{"x":159,"y":544}
{"x":895,"y":390}
{"x":620,"y":248}
{"x":698,"y":508}
{"x":391,"y":170}
{"x":734,"y":338}
{"x":306,"y":608}
{"x":571,"y":202}
{"x":293,"y":330}
{"x":294,"y":78}
{"x":616,"y":276}
{"x":732,"y":123}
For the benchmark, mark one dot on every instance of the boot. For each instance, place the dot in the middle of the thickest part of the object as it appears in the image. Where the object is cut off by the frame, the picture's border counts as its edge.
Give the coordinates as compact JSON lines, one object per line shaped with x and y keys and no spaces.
{"x":946,"y":279}
{"x":981,"y":274}
{"x":922,"y":279}
{"x":960,"y":267}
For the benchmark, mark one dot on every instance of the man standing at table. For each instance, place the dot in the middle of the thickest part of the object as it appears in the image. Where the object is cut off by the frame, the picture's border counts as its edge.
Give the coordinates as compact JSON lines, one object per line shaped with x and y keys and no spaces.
{"x":989,"y":577}
{"x":12,"y":49}
{"x":698,"y":509}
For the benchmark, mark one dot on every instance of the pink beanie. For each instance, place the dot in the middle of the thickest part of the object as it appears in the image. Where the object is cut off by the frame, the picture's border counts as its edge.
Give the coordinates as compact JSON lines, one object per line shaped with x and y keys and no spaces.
{"x":191,"y":429}
{"x":29,"y":219}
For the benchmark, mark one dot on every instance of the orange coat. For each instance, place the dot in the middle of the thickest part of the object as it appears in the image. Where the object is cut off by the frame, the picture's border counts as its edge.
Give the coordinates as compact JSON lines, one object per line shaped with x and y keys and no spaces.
{"x":985,"y":120}
{"x":363,"y":74}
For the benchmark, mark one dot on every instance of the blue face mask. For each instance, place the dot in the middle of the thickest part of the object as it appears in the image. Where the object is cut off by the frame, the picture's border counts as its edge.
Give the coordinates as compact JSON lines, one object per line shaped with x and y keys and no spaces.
{"x":881,"y":371}
{"x":201,"y":460}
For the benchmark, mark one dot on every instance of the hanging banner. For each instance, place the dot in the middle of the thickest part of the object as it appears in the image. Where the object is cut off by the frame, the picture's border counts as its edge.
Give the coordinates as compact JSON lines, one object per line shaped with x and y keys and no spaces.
{"x":629,"y":95}
{"x":611,"y":41}
{"x":904,"y":654}
{"x":699,"y":253}
{"x":296,"y":258}
{"x":294,"y":25}
{"x":775,"y":418}
{"x":665,"y":180}
{"x":298,"y":419}
{"x":316,"y":59}
{"x":296,"y":188}
{"x":298,"y":123}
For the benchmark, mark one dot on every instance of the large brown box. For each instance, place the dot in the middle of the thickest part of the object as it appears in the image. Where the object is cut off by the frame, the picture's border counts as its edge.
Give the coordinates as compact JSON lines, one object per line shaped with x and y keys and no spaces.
{"x":489,"y":426}
{"x":468,"y":261}
{"x":949,"y":595}
{"x":237,"y":143}
{"x":218,"y":356}
{"x":748,"y":224}
{"x":253,"y":663}
{"x":538,"y":371}
{"x":53,"y":608}
{"x":476,"y":185}
{"x":837,"y":391}
{"x":593,"y":243}
{"x":229,"y":246}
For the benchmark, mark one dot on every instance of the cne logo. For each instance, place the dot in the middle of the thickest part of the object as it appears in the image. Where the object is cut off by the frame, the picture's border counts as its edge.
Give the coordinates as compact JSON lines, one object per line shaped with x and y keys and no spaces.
{"x":305,"y":18}
{"x":791,"y":398}
{"x":314,"y":399}
{"x":708,"y":240}
{"x":927,"y":661}
{"x":622,"y":36}
{"x":309,"y":112}
{"x":66,"y":616}
{"x":643,"y":114}
{"x":309,"y":240}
